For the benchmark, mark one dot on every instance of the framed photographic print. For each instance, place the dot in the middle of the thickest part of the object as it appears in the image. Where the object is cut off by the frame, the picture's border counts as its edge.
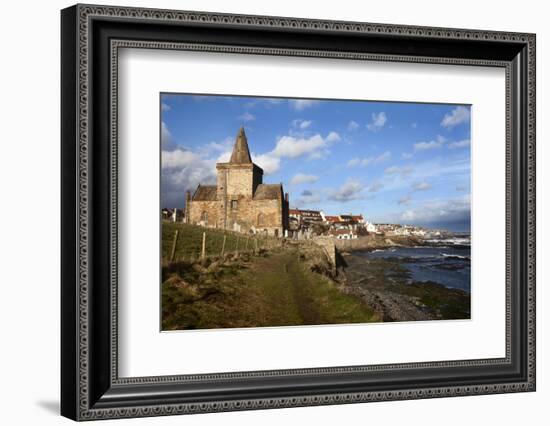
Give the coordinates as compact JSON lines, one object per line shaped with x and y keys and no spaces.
{"x":263,"y":212}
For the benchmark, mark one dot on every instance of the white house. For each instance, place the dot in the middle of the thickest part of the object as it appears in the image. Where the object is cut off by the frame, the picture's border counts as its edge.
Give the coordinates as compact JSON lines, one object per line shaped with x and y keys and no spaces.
{"x":371,"y":227}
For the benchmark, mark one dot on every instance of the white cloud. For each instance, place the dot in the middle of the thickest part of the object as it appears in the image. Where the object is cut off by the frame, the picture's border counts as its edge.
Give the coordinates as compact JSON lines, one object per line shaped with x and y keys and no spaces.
{"x":178,"y":158}
{"x":318,"y":155}
{"x":307,"y":197}
{"x":439,"y":212}
{"x":457,"y":116}
{"x":333,"y":137}
{"x":301,"y":104}
{"x":212,"y":147}
{"x":166,"y":139}
{"x":301,"y":124}
{"x":267,"y":162}
{"x":289,"y":146}
{"x":414,"y":125}
{"x":448,"y":174}
{"x":383,"y":157}
{"x":313,"y":146}
{"x":434,"y":169}
{"x":401,"y":171}
{"x":246,"y":117}
{"x":224,"y":157}
{"x":165,"y":107}
{"x":353,"y":125}
{"x":421,"y":186}
{"x":369,"y":160}
{"x":375,"y":187}
{"x":301,"y":178}
{"x":407,"y":155}
{"x":182,"y":171}
{"x":459,"y":144}
{"x":351,"y":190}
{"x":433,"y":144}
{"x":378,"y":120}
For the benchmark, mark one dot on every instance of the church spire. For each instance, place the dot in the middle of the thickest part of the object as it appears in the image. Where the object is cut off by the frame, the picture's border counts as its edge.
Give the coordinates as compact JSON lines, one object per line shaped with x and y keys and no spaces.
{"x":241,"y":154}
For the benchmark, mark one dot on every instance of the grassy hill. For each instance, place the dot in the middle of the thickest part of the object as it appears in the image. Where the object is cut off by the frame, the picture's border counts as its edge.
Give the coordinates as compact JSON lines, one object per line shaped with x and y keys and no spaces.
{"x":276,"y":288}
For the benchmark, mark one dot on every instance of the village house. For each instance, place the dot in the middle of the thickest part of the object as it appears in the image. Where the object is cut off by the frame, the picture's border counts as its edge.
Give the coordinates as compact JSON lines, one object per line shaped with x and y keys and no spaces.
{"x":386,"y":228}
{"x":240,"y":201}
{"x":371,"y":228}
{"x":392,"y":229}
{"x":306,"y":223}
{"x":354,"y":223}
{"x":306,"y":218}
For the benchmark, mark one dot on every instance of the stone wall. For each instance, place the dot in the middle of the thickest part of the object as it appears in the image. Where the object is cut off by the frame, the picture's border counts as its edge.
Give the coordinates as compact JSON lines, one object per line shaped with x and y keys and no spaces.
{"x":195,"y":212}
{"x":238,"y":179}
{"x":329,"y":247}
{"x":256,"y":216}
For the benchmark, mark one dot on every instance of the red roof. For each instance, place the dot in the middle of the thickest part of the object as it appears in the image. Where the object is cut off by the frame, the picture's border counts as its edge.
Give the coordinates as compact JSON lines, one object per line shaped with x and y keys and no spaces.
{"x":332,"y":218}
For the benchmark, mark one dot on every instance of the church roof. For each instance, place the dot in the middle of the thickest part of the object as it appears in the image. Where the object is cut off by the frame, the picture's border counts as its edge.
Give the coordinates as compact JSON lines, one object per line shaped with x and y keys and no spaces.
{"x":205,"y":193}
{"x":241,"y":153}
{"x":267,"y":191}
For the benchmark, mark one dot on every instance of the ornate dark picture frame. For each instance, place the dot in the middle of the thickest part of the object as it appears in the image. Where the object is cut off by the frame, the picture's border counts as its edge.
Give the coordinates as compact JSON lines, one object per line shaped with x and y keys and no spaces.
{"x":91,"y":37}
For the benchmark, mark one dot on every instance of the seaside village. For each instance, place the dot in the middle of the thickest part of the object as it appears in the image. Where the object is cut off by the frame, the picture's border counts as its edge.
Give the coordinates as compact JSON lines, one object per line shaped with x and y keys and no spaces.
{"x":240,"y":201}
{"x":305,"y":224}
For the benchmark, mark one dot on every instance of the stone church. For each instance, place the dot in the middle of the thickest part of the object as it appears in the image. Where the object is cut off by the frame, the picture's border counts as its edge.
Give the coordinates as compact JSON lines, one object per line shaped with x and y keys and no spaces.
{"x":240,"y":201}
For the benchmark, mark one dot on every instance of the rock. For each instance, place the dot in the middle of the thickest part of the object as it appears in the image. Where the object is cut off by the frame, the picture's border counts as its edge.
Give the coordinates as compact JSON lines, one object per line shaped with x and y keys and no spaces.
{"x":187,"y":292}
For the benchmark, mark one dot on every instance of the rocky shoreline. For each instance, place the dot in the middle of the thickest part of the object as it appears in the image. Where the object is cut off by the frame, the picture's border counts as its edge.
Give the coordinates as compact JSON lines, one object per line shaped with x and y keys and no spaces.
{"x":386,"y":286}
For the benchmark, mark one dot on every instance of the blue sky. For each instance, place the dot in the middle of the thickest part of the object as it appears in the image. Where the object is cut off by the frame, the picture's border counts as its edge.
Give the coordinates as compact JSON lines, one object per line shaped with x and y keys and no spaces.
{"x":392,"y":162}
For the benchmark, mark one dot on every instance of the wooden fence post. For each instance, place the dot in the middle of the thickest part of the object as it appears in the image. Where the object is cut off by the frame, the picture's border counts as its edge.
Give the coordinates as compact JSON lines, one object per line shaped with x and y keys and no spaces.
{"x":203,"y":250}
{"x":223,"y":244}
{"x":237,"y":245}
{"x":173,"y":252}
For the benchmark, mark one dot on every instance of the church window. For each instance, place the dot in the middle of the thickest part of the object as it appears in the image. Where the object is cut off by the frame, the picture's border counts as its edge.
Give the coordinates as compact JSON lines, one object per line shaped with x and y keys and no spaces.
{"x":233,"y":204}
{"x":204,"y":216}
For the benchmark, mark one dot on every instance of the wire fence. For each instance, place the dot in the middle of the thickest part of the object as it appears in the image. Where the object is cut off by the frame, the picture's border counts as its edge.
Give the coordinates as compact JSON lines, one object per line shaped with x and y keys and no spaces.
{"x":193,"y":243}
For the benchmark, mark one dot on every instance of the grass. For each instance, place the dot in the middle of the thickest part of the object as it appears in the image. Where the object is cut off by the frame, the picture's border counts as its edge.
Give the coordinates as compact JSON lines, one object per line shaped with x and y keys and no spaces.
{"x":274,"y":289}
{"x":190,"y":241}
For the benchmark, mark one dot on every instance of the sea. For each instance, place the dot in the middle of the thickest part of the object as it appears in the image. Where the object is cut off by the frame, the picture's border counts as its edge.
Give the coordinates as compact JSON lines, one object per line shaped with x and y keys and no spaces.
{"x":447,"y":262}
